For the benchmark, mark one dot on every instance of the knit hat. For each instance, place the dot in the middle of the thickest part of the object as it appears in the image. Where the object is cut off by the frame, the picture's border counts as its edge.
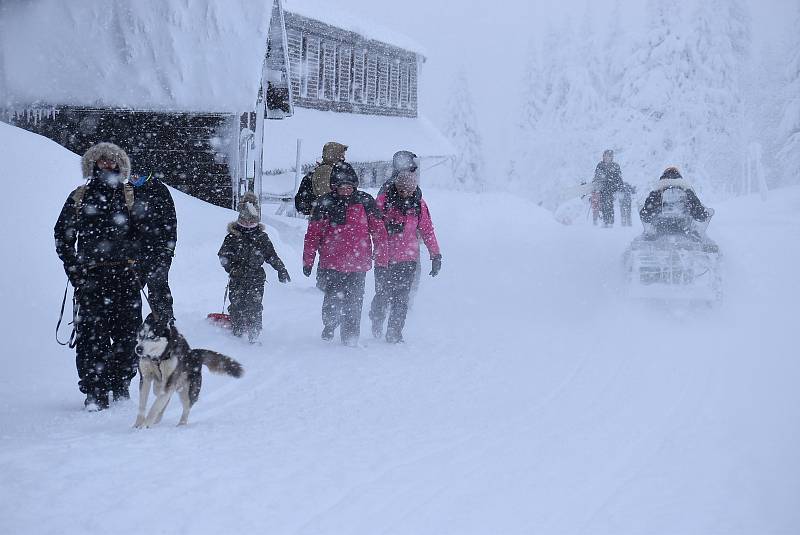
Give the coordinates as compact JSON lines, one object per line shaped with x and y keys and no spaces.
{"x":343,"y":174}
{"x":404,"y":160}
{"x":671,"y":173}
{"x":609,"y":153}
{"x":249,"y":210}
{"x":333,"y":152}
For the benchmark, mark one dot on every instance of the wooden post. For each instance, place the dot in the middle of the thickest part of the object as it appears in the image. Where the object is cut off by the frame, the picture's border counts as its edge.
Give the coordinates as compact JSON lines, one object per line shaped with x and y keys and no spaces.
{"x":297,"y":168}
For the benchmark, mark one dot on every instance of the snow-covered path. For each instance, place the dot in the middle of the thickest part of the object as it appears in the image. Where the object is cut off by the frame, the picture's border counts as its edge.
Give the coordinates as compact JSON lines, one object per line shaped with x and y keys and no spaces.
{"x":530,"y":397}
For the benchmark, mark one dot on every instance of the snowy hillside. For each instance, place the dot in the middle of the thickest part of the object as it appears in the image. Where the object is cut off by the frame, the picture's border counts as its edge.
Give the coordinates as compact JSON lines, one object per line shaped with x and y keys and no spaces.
{"x":529,"y":397}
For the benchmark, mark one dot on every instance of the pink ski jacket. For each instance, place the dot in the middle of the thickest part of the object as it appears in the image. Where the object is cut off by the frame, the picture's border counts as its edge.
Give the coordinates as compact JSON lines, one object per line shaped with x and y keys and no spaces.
{"x":403,"y":228}
{"x":347,"y":247}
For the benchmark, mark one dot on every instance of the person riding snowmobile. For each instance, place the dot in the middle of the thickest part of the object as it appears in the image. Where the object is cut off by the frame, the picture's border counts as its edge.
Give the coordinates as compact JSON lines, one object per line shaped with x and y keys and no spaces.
{"x":672,"y":205}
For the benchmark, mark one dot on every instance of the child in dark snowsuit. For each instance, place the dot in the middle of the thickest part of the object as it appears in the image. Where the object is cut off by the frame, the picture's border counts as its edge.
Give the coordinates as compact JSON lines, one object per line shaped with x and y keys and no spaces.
{"x":245,"y":249}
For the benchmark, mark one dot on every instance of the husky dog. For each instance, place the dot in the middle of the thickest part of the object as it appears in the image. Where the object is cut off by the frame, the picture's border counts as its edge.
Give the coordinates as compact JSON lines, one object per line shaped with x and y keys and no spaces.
{"x":169,"y":363}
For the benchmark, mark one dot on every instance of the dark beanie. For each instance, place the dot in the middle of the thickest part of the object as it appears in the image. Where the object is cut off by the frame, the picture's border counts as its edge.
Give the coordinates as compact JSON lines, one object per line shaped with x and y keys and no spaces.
{"x":671,"y":173}
{"x":343,"y":174}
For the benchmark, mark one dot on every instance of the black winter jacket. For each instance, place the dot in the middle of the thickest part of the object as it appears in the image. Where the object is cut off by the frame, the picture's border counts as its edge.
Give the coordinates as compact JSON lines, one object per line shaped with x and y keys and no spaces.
{"x":653,"y":203}
{"x":154,"y":212}
{"x":245,"y":250}
{"x":100,"y":232}
{"x":305,"y":200}
{"x":607,"y":177}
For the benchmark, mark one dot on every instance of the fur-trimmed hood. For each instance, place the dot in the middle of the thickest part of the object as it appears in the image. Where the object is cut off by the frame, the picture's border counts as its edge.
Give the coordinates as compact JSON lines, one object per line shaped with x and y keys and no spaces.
{"x":233,"y":228}
{"x":109,"y":151}
{"x":665,"y":183}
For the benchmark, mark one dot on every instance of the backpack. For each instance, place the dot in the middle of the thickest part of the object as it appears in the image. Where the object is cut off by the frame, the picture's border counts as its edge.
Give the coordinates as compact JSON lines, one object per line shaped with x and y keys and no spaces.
{"x":77,"y":197}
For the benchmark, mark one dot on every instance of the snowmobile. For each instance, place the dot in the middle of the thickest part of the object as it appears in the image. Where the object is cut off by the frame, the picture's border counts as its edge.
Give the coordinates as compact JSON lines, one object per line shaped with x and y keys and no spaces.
{"x":674,"y":259}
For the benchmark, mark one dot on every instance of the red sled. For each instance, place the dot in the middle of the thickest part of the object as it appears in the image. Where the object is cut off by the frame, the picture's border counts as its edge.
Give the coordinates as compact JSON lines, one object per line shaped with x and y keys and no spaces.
{"x":220,"y":320}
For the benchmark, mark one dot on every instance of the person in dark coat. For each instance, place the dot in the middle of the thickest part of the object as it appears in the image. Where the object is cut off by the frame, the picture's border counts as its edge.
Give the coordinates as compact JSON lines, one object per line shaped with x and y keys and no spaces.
{"x":154,"y":210}
{"x":670,"y":201}
{"x":347,"y":231}
{"x":626,"y":193}
{"x":242,"y":255}
{"x":607,"y":181}
{"x":317,"y":182}
{"x":96,"y":239}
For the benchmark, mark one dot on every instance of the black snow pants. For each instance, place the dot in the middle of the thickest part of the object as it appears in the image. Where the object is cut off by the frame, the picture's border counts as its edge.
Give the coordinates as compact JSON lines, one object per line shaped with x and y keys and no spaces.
{"x":246,"y":292}
{"x":392,"y":290}
{"x":109,"y":314}
{"x":156,"y":277}
{"x":341,"y":307}
{"x":607,"y":207}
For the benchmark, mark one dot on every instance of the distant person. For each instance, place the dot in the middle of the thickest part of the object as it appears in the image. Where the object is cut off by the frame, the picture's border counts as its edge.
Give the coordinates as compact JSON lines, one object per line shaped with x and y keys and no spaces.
{"x":625,"y":199}
{"x":154,"y":210}
{"x":347,"y":231}
{"x":242,"y":254}
{"x":405,"y":216}
{"x":672,"y":203}
{"x":97,"y":240}
{"x":607,"y":181}
{"x":317,"y":182}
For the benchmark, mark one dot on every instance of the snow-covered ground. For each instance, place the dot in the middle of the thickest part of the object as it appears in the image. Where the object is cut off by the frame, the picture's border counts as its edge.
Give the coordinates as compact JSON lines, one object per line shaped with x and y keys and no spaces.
{"x":529,"y":398}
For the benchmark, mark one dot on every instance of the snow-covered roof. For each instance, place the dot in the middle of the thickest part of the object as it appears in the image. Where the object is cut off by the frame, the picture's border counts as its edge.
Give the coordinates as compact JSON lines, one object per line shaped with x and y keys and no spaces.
{"x":329,"y":13}
{"x":148,"y":54}
{"x":370,"y":138}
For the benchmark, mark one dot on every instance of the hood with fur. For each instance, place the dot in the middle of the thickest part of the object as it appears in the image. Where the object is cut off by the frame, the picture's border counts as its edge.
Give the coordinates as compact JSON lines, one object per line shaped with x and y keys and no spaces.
{"x":109,"y":151}
{"x":665,"y":183}
{"x":233,"y":228}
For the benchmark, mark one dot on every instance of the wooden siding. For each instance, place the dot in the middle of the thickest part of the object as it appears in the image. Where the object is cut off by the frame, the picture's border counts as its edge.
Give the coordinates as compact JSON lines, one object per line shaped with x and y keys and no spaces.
{"x":192,"y":152}
{"x":339,"y":70}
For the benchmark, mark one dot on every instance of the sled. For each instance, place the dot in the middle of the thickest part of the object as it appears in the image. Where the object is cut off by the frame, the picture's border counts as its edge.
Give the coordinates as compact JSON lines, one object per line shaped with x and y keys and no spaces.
{"x":220,"y":319}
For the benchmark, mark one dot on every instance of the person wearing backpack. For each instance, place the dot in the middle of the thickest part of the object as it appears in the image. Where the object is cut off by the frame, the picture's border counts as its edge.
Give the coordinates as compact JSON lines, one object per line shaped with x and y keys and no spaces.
{"x":347,"y":231}
{"x":405,"y":216}
{"x":154,"y":211}
{"x":317,"y":182}
{"x":243,"y":253}
{"x":96,"y":239}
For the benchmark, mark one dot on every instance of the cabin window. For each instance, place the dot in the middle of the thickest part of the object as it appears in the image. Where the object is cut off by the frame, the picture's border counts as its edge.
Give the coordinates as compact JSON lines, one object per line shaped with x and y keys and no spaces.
{"x":327,"y":69}
{"x":404,"y":85}
{"x":345,"y":70}
{"x":383,"y":81}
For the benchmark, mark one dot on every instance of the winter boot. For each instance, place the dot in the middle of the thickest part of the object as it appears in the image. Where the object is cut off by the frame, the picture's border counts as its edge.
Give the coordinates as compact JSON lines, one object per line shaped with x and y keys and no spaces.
{"x":327,"y":333}
{"x":377,"y":329}
{"x":121,"y":393}
{"x":394,"y":337}
{"x":252,"y":336}
{"x":96,"y":401}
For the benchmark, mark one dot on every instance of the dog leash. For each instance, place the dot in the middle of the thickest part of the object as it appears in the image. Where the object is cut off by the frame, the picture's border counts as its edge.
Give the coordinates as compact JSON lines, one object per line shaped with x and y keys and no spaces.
{"x":72,"y":338}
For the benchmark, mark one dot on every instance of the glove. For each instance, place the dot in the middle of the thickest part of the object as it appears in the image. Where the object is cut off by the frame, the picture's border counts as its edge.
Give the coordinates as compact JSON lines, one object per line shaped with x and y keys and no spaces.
{"x":76,"y":275}
{"x":307,"y":271}
{"x":436,"y":265}
{"x":283,"y":276}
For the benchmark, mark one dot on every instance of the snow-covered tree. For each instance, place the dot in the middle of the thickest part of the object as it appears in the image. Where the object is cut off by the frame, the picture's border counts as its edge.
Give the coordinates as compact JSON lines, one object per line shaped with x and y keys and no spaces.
{"x":683,"y":89}
{"x":789,"y":128}
{"x":467,"y":164}
{"x":563,"y":115}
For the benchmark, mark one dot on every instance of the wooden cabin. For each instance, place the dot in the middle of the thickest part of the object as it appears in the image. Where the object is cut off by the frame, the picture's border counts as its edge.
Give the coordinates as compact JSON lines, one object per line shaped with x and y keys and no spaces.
{"x":189,"y":108}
